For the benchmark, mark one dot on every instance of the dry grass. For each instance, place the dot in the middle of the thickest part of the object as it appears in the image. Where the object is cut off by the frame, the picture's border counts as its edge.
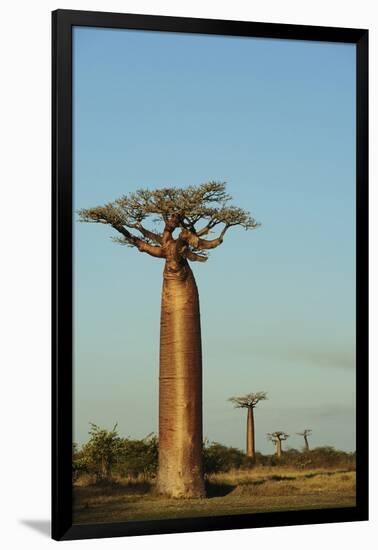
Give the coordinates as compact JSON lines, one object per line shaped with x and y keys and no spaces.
{"x":289,"y":482}
{"x":236,"y":492}
{"x":272,"y":481}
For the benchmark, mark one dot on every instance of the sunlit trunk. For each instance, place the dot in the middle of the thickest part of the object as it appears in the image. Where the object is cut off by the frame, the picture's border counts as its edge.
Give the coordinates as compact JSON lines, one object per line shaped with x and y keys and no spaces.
{"x":250,"y":434}
{"x":278,"y":448}
{"x":180,"y":387}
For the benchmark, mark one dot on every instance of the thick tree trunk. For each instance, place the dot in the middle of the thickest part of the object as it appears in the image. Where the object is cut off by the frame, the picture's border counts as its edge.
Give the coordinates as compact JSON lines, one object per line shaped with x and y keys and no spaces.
{"x":180,"y":387}
{"x":250,"y":434}
{"x":279,"y":448}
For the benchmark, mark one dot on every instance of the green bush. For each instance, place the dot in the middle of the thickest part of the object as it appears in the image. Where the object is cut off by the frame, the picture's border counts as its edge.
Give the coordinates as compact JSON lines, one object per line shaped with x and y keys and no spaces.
{"x":138,"y":457}
{"x":219,"y":458}
{"x":100,"y":453}
{"x":79,"y":463}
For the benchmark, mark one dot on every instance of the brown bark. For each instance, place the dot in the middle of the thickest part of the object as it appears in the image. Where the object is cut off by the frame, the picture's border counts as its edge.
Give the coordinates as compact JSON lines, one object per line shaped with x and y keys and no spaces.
{"x":250,"y":433}
{"x":141,"y":245}
{"x":279,"y":448}
{"x":180,"y":383}
{"x":202,"y":244}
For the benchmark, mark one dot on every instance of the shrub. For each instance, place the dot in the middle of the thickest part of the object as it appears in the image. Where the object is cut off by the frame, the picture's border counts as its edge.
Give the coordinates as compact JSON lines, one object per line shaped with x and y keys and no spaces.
{"x":138,"y":457}
{"x":319,"y":457}
{"x":219,"y":458}
{"x":99,"y":453}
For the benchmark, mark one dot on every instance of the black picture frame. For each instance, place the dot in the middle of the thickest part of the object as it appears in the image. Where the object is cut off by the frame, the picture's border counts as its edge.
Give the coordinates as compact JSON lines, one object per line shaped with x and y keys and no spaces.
{"x":62,"y":23}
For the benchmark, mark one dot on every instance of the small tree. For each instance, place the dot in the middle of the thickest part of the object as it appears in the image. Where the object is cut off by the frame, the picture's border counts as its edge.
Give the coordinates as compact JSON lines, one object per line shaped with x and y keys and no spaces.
{"x":305,"y":434}
{"x":277,"y":438}
{"x":101,"y":451}
{"x":249,"y":402}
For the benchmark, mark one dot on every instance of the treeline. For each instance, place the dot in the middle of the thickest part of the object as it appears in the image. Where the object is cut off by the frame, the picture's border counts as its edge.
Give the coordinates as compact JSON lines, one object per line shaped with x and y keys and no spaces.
{"x":219,"y":458}
{"x":108,"y":455}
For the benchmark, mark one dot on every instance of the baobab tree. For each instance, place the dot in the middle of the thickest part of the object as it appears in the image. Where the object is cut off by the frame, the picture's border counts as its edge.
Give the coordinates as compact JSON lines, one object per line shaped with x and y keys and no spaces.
{"x":277,"y":438}
{"x":249,"y":402}
{"x":305,"y":434}
{"x":184,"y":217}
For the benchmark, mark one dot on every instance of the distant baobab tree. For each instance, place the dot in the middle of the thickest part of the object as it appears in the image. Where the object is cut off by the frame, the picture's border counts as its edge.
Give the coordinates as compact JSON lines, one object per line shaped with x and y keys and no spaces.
{"x":249,"y":402}
{"x":185,"y":216}
{"x":305,"y":434}
{"x":277,"y":438}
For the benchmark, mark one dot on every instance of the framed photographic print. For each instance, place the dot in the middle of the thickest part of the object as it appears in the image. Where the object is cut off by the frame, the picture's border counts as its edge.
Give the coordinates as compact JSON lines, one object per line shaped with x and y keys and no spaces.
{"x":210,"y":238}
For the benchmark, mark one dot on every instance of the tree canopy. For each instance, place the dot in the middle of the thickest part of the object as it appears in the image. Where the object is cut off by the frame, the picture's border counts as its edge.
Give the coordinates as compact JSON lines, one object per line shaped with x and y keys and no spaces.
{"x":250,"y":400}
{"x":277,"y":436}
{"x":194,"y":211}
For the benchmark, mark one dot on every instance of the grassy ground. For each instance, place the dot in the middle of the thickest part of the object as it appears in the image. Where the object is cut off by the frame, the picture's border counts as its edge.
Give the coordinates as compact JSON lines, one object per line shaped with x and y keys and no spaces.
{"x":237,"y":492}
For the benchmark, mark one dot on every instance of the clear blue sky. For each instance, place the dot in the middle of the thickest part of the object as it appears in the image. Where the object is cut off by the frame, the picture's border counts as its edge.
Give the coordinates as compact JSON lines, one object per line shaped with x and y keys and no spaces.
{"x":275,"y":120}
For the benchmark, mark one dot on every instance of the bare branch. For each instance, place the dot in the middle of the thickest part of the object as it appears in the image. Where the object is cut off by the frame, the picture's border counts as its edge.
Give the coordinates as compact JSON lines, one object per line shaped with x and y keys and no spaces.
{"x":205,"y":230}
{"x":149,"y":234}
{"x":204,"y":244}
{"x":201,"y":244}
{"x":305,"y":433}
{"x":193,"y":257}
{"x":141,"y":245}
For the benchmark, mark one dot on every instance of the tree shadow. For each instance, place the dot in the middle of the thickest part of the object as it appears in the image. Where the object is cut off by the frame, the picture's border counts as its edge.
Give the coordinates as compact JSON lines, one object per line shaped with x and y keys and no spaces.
{"x":43,"y":526}
{"x":281,"y":478}
{"x":314,"y":474}
{"x":112,"y":487}
{"x":218,"y":489}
